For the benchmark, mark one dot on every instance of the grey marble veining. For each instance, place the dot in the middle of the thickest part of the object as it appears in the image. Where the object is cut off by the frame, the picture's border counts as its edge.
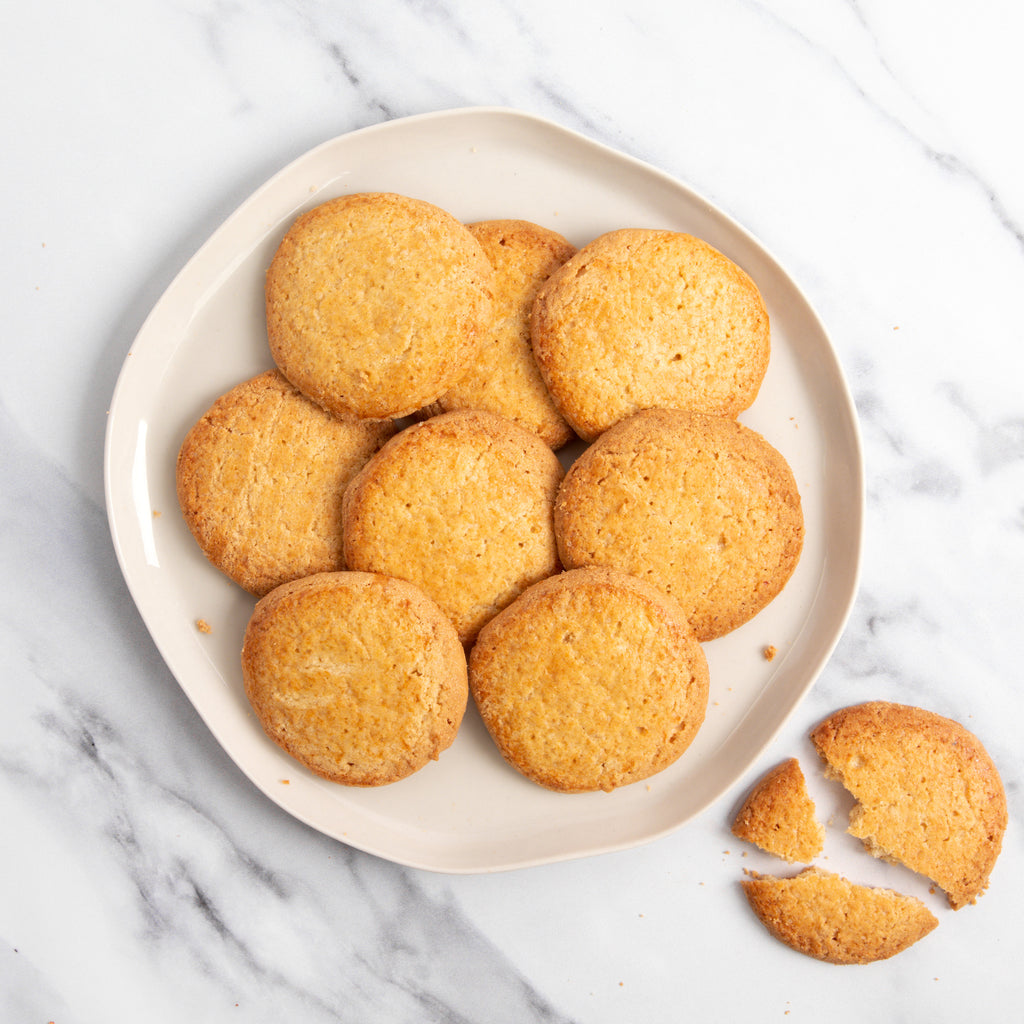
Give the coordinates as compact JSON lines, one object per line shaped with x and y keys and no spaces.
{"x":872,"y":147}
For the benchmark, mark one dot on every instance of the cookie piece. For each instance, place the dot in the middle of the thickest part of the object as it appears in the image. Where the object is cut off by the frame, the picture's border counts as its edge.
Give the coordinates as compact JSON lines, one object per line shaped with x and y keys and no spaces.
{"x":377,"y":303}
{"x":928,"y":794}
{"x":360,"y":678}
{"x":460,"y":505}
{"x":260,"y":479}
{"x":778,"y":815}
{"x":506,"y":380}
{"x":639,"y":319}
{"x":589,"y":681}
{"x":700,"y":506}
{"x":824,"y":916}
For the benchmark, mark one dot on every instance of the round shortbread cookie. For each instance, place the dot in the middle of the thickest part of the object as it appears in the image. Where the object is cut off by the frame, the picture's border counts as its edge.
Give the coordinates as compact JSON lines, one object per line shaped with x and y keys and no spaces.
{"x":701,"y":506}
{"x":260,"y":478}
{"x":640,"y":319}
{"x":823,"y":915}
{"x":361,"y":678}
{"x":377,"y":303}
{"x":461,"y":505}
{"x":506,"y":379}
{"x":591,"y":680}
{"x":928,"y":794}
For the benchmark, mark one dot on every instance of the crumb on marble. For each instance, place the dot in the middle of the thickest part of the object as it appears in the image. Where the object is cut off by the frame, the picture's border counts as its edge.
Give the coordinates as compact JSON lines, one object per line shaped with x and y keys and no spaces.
{"x":769,"y":652}
{"x":203,"y":626}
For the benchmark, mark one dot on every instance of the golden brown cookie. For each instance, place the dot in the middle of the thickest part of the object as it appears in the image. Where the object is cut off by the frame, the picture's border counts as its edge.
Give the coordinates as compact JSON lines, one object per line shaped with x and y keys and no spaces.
{"x":461,"y":505}
{"x":591,"y":680}
{"x":260,"y":479}
{"x":928,"y":793}
{"x":377,"y":303}
{"x":361,"y":678}
{"x":778,"y":815}
{"x":829,"y":918}
{"x":700,"y":506}
{"x":505,"y":379}
{"x":639,"y":319}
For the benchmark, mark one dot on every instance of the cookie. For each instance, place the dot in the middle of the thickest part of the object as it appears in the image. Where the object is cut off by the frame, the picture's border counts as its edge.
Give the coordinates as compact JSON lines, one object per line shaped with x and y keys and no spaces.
{"x":460,"y":505}
{"x":591,"y":680}
{"x":778,"y":815}
{"x":928,"y":794}
{"x":505,"y":379}
{"x":260,"y":479}
{"x":360,"y":678}
{"x":640,"y":319}
{"x":377,"y":303}
{"x":824,"y":916}
{"x":700,"y":506}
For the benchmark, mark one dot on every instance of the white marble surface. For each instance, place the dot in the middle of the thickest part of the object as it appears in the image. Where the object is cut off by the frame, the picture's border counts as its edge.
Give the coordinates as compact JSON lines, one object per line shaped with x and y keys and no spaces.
{"x":874,"y":147}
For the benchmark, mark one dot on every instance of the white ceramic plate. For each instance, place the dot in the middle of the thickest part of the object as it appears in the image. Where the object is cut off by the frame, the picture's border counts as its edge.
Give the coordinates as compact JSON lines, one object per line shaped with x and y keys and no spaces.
{"x":469,"y":812}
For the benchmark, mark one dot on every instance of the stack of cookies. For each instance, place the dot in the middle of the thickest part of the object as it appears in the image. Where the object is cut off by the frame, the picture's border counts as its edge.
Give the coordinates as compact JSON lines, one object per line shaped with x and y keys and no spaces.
{"x":391,"y":491}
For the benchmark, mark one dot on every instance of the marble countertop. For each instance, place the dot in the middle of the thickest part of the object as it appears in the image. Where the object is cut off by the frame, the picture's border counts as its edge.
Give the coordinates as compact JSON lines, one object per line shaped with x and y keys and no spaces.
{"x":874,"y":148}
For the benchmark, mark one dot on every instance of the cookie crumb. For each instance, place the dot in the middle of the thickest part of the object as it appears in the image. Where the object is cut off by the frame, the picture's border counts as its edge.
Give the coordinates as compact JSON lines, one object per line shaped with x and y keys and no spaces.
{"x":769,"y":652}
{"x":203,"y":626}
{"x":157,"y":513}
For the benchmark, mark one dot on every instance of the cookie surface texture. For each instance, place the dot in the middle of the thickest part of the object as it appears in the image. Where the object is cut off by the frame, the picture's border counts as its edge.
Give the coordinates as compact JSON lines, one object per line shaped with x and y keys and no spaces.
{"x":928,"y":794}
{"x":589,"y":681}
{"x":260,"y":478}
{"x":640,"y":319}
{"x":460,"y":505}
{"x":506,"y":379}
{"x":360,"y":678}
{"x":829,"y":918}
{"x":700,"y":506}
{"x":778,"y":815}
{"x":377,"y":303}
